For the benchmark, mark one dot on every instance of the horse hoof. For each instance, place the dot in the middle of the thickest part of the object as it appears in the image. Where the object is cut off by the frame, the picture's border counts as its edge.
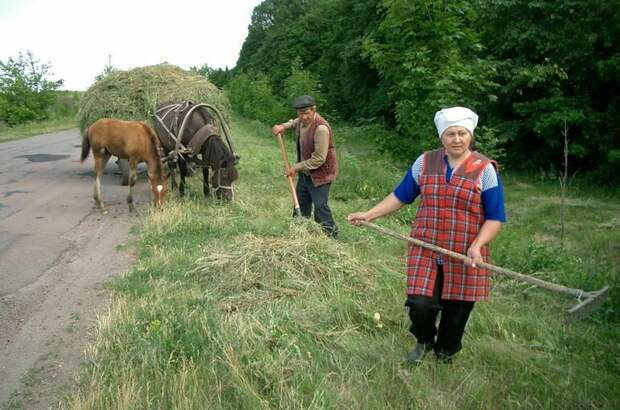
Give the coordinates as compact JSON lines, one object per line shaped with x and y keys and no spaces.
{"x":104,"y":211}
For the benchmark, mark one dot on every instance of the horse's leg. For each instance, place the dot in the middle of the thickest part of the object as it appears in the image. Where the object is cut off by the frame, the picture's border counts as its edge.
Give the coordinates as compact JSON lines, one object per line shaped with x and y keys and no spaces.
{"x":101,"y":159}
{"x":205,"y":182}
{"x":183,"y":172}
{"x":132,"y":181}
{"x":171,"y":167}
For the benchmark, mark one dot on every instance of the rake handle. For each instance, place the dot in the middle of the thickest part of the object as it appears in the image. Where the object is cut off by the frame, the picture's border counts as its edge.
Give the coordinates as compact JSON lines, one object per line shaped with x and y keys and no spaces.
{"x":515,"y":275}
{"x":291,"y":184}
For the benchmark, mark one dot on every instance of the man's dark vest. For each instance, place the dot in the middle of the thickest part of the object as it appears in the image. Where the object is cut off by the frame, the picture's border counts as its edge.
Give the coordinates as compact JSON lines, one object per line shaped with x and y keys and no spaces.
{"x":327,"y":172}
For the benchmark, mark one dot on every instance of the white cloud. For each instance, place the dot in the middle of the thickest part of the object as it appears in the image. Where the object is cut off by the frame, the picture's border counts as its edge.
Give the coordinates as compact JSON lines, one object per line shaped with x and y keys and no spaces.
{"x":77,"y":36}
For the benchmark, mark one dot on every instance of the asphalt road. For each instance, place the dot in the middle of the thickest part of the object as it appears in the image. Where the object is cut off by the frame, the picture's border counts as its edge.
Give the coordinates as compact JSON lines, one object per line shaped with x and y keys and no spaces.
{"x":56,"y":251}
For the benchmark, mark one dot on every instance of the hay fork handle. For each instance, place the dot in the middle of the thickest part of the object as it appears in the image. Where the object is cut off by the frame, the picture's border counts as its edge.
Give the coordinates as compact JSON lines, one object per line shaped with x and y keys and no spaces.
{"x":291,"y":185}
{"x":590,"y":297}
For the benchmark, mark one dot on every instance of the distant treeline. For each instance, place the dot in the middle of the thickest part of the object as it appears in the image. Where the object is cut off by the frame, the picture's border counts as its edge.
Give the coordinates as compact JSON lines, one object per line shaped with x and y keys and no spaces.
{"x":532,"y":70}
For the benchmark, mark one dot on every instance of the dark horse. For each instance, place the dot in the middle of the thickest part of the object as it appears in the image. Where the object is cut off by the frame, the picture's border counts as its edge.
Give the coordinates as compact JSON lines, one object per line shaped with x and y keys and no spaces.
{"x":200,"y":144}
{"x":132,"y":140}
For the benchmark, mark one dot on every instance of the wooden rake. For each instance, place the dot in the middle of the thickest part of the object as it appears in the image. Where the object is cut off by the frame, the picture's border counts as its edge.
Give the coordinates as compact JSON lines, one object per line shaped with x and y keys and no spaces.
{"x":291,"y":184}
{"x":587,"y":301}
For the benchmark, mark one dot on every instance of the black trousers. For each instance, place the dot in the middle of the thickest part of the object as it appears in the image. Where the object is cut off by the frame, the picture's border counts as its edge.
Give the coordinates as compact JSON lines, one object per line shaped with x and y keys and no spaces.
{"x":308,"y":196}
{"x":423,"y":312}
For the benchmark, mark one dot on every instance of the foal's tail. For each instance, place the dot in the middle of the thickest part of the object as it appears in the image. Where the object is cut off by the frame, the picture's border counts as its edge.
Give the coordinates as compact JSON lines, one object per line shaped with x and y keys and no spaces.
{"x":85,"y":146}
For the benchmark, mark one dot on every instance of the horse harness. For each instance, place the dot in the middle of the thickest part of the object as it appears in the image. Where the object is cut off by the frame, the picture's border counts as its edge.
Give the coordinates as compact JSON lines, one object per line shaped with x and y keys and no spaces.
{"x":184,"y":110}
{"x":199,"y":137}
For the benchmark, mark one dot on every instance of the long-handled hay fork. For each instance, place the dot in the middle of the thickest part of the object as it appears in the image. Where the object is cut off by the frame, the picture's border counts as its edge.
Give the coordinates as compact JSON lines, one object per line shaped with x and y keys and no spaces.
{"x":588,"y":301}
{"x":291,"y":185}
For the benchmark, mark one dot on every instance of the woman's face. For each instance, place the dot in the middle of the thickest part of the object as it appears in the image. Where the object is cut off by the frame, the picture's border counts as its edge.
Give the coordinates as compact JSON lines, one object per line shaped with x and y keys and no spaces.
{"x":456,"y":140}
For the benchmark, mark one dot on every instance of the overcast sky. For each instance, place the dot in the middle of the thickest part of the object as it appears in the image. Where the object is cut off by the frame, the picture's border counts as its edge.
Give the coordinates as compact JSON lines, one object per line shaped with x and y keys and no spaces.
{"x":76,"y":36}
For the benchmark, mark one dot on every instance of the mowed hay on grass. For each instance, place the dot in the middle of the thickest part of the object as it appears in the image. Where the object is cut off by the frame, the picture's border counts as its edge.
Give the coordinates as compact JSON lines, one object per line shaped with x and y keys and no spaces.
{"x":254,"y":270}
{"x":134,"y":94}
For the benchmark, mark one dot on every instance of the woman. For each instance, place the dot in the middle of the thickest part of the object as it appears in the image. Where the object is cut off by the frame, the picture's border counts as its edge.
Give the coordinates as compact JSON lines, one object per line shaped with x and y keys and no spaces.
{"x":461,"y":209}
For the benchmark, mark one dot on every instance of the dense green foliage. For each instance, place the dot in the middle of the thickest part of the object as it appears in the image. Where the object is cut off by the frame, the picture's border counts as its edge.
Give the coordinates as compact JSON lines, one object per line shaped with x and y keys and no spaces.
{"x":559,"y":66}
{"x":428,"y":63}
{"x":217,"y":76}
{"x":398,"y":61}
{"x":26,"y":92}
{"x":251,"y":96}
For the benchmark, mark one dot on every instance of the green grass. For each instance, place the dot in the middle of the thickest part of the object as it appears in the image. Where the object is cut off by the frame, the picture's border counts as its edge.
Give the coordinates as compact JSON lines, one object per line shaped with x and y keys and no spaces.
{"x":36,"y":128}
{"x":238,"y":306}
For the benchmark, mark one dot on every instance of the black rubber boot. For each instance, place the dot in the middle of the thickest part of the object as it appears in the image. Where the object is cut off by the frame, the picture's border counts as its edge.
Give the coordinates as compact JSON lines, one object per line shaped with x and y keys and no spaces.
{"x":416,"y":356}
{"x":443,"y":357}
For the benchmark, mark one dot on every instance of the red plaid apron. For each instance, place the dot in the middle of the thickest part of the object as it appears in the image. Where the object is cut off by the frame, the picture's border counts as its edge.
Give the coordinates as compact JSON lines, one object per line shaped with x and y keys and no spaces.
{"x":449,"y":216}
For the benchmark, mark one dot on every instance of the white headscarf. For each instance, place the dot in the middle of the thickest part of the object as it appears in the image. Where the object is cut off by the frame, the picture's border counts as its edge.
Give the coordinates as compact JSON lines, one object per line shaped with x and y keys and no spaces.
{"x":461,"y":116}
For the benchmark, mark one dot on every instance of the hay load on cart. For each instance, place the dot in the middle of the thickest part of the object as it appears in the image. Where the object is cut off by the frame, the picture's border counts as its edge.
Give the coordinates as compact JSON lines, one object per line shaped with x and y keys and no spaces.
{"x":135,"y":94}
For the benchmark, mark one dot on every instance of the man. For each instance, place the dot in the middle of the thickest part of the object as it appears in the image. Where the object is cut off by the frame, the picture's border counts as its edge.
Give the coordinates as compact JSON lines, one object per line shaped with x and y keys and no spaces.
{"x":316,"y":161}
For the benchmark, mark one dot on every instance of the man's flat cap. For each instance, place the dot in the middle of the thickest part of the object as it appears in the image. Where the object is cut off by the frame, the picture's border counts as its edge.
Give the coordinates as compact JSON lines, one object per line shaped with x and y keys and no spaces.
{"x":303,"y":101}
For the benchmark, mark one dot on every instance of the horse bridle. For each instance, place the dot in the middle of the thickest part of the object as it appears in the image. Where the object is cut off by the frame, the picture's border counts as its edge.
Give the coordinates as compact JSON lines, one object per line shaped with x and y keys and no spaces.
{"x":220,"y":186}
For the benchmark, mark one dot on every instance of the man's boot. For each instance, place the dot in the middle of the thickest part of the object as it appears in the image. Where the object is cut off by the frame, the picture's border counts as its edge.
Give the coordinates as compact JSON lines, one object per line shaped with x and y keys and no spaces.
{"x":419,"y":351}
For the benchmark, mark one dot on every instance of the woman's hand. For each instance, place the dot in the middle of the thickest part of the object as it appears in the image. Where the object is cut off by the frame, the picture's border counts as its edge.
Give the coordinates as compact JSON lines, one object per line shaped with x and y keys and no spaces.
{"x":356,"y":217}
{"x":474,"y":254}
{"x":488,"y":231}
{"x":388,"y":205}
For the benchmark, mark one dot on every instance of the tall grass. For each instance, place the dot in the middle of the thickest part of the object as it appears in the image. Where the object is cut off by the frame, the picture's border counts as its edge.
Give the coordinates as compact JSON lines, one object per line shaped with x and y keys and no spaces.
{"x":60,"y":116}
{"x":37,"y":128}
{"x":239,"y":306}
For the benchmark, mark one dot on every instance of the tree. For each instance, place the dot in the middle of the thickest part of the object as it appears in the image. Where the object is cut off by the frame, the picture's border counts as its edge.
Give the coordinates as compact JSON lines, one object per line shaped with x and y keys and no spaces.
{"x":302,"y":82}
{"x":325,"y":38}
{"x":397,"y":62}
{"x":219,"y":77}
{"x":559,"y":66}
{"x":278,"y":34}
{"x":351,"y":83}
{"x":428,"y":57}
{"x":252,"y":96}
{"x":26,"y":93}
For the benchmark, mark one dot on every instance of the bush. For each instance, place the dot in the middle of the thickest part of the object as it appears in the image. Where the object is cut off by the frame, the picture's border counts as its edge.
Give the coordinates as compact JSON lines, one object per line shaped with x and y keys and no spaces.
{"x":252,"y":97}
{"x":25,"y":91}
{"x":302,"y":82}
{"x":65,"y":105}
{"x":428,"y":54}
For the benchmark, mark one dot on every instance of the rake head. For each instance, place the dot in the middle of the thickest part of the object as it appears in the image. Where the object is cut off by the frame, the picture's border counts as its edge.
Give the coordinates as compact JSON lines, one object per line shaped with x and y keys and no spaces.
{"x":592,"y":301}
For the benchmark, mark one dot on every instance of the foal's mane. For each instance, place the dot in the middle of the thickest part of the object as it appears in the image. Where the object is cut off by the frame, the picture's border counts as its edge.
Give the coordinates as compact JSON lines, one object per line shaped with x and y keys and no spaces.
{"x":154,"y":150}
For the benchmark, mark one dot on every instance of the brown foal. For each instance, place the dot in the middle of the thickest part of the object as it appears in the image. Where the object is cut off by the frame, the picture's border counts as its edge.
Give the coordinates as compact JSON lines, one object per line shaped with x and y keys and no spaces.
{"x":135,"y":141}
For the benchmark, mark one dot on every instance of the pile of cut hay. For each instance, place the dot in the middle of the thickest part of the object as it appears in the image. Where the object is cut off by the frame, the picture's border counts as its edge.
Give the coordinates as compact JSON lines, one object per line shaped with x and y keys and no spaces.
{"x":134,"y":94}
{"x":255,"y":269}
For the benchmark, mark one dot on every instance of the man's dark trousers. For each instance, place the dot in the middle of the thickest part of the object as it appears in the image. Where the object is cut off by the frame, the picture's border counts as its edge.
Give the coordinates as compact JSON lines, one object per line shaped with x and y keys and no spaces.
{"x":309,"y":195}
